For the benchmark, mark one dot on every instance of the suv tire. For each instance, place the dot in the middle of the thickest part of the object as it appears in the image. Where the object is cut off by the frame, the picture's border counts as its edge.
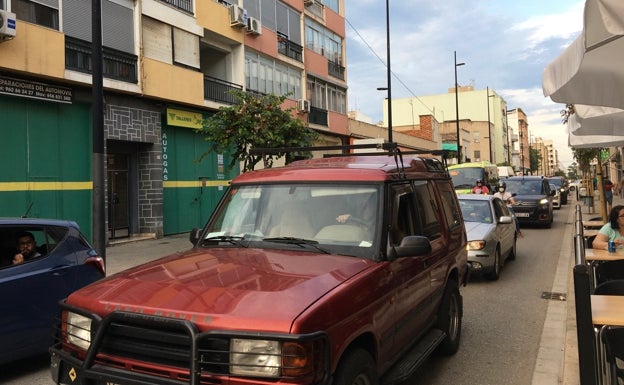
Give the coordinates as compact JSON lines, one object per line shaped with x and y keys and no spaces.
{"x":356,"y":368}
{"x":450,"y":319}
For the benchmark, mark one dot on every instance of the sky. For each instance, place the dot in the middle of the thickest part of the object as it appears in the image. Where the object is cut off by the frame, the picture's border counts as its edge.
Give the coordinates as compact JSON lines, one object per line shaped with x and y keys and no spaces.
{"x":505,"y":45}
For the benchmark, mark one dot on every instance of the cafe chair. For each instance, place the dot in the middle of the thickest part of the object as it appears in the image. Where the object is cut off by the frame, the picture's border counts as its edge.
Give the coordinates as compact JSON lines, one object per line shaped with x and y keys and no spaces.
{"x":589,"y":242}
{"x":612,"y":287}
{"x":609,"y":271}
{"x":613,"y":340}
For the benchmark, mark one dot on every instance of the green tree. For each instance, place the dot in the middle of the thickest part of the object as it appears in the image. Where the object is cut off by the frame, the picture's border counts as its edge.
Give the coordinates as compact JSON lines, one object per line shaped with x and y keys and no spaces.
{"x":255,"y":122}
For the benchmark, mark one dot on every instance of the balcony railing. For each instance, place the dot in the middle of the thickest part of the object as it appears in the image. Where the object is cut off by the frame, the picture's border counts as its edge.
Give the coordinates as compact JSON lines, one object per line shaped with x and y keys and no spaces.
{"x":336,"y":70}
{"x":218,"y":90}
{"x":185,"y":5}
{"x":318,"y":116}
{"x":289,"y":48}
{"x":116,"y":64}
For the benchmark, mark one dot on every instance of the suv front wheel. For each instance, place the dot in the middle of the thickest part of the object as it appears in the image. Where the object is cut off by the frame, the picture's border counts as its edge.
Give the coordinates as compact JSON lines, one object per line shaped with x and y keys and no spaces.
{"x":356,"y":368}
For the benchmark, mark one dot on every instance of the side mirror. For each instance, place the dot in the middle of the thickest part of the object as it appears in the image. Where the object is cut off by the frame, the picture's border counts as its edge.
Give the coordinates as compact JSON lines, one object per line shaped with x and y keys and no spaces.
{"x":194,"y":235}
{"x":413,"y":245}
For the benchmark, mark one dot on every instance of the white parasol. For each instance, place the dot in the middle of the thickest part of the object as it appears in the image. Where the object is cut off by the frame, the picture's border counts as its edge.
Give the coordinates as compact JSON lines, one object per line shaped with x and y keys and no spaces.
{"x":591,"y":71}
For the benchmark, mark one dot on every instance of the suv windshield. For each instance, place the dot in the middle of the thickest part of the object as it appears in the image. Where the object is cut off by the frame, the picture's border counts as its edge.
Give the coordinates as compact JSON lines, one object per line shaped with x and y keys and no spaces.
{"x":336,"y":218}
{"x":525,"y":186}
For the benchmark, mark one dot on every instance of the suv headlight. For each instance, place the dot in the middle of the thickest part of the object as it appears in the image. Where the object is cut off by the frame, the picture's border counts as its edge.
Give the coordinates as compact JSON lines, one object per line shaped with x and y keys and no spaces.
{"x":255,"y":357}
{"x":78,"y":330}
{"x":543,"y":202}
{"x":270,"y":358}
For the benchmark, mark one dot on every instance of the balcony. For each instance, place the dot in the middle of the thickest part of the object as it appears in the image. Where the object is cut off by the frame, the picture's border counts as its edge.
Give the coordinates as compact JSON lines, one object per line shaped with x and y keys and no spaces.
{"x":116,"y":64}
{"x":336,"y":70}
{"x":318,"y":116}
{"x":218,"y":90}
{"x":184,"y":5}
{"x":289,"y":48}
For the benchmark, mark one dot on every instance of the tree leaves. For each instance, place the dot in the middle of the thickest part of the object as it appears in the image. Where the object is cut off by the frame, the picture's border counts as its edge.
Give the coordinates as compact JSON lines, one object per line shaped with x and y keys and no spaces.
{"x":255,"y":122}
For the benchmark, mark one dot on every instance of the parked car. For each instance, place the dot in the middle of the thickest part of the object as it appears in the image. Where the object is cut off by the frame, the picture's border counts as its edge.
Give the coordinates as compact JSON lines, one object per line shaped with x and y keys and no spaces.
{"x":533,"y":199}
{"x":281,"y":288}
{"x":32,"y":289}
{"x":491,"y":230}
{"x":556,"y":199}
{"x":562,"y":185}
{"x":575,"y":184}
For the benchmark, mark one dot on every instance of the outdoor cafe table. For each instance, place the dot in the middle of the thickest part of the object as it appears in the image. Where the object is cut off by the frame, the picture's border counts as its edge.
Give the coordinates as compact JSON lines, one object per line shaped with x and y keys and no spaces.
{"x":607,"y":310}
{"x":593,"y":224}
{"x":595,"y":256}
{"x":590,"y":232}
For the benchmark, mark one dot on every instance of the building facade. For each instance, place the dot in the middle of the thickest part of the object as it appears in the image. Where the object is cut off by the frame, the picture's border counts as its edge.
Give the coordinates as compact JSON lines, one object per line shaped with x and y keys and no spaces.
{"x":167,"y":65}
{"x":482,"y":120}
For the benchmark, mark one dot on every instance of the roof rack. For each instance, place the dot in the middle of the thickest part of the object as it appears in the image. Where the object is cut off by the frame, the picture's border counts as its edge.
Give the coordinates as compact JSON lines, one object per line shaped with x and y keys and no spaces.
{"x":390,"y":149}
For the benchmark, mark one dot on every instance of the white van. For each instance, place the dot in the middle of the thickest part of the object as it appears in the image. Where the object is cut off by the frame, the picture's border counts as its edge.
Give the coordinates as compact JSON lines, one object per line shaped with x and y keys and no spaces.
{"x":505,"y":172}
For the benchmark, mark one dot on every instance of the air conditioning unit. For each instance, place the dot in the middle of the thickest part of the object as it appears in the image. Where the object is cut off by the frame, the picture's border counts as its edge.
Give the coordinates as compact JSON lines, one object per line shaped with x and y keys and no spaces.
{"x":7,"y":25}
{"x":303,"y":105}
{"x":254,"y":26}
{"x":238,"y":16}
{"x":308,"y":2}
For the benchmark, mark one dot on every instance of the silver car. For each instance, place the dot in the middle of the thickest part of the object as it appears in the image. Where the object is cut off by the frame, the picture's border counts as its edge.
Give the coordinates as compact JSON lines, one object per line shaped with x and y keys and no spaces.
{"x":557,"y":197}
{"x":491,"y":233}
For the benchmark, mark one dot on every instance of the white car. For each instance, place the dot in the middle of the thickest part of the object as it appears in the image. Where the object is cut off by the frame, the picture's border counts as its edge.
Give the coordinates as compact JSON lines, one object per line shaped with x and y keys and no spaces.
{"x":556,"y":200}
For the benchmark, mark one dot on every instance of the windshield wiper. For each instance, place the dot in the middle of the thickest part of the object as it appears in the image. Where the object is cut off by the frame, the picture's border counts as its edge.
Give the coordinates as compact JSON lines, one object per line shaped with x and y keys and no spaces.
{"x":297,"y":241}
{"x":233,"y":239}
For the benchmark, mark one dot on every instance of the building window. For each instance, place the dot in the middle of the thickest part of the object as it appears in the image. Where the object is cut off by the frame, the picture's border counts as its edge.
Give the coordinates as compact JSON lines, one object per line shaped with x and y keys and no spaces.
{"x":477,"y":154}
{"x":326,"y":96}
{"x":323,"y":41}
{"x":36,"y":13}
{"x":269,"y":76}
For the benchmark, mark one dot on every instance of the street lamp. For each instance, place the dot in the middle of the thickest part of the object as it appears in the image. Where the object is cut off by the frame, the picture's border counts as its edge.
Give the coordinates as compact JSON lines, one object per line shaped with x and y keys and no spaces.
{"x":457,"y":108}
{"x":488,"y":114}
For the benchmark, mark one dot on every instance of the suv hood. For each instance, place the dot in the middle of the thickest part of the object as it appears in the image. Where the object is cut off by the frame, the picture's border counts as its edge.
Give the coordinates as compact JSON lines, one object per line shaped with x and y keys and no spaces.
{"x":528,"y":198}
{"x":222,"y":287}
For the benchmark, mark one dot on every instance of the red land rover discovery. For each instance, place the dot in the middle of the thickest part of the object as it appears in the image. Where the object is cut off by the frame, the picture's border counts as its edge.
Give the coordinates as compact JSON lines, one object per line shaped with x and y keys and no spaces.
{"x":342,"y":270}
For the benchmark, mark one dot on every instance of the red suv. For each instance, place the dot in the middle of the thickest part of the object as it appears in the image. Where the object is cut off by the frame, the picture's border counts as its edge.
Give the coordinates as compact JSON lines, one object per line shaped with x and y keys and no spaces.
{"x":342,"y":270}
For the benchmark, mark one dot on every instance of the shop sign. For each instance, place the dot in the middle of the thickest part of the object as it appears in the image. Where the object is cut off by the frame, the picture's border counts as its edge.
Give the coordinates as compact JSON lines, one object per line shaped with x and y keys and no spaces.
{"x":35,"y":90}
{"x":183,"y":118}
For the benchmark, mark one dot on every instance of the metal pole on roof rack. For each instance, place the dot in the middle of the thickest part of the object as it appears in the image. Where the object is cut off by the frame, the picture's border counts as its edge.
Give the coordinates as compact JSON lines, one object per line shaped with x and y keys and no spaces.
{"x":389,"y":71}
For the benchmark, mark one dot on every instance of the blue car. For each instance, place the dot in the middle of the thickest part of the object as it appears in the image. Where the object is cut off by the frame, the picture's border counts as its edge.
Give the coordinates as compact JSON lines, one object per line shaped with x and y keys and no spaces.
{"x":62,"y":262}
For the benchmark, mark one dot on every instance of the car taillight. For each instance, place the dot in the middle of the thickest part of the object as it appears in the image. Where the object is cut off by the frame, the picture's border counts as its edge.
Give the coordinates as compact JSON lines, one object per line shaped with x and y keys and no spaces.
{"x":98,"y":262}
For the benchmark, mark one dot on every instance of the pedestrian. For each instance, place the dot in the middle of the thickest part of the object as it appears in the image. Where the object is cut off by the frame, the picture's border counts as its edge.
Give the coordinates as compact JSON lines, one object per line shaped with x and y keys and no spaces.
{"x":608,"y":193}
{"x":620,"y":188}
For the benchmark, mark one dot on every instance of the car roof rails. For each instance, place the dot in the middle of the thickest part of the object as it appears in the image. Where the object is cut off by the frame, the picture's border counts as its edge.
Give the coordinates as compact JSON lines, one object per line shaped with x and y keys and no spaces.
{"x":390,"y":149}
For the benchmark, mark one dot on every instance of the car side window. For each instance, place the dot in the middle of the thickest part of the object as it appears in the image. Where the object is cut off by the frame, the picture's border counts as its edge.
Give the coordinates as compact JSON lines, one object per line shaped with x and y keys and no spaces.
{"x":500,"y":209}
{"x":405,"y":214}
{"x":427,"y":208}
{"x":27,"y":243}
{"x":452,"y":211}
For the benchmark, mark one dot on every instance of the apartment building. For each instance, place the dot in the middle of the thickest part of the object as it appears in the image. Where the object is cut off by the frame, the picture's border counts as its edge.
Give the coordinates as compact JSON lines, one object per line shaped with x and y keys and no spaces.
{"x":483,"y":133}
{"x":167,"y":65}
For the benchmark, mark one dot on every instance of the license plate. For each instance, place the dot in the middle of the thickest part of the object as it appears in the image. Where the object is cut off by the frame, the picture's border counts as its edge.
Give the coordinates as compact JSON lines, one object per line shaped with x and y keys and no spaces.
{"x":523,"y":215}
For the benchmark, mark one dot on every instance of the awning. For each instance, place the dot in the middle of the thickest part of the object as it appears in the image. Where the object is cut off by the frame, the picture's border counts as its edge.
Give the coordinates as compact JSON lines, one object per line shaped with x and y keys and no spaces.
{"x":596,"y":120}
{"x":578,"y":139}
{"x":591,"y":71}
